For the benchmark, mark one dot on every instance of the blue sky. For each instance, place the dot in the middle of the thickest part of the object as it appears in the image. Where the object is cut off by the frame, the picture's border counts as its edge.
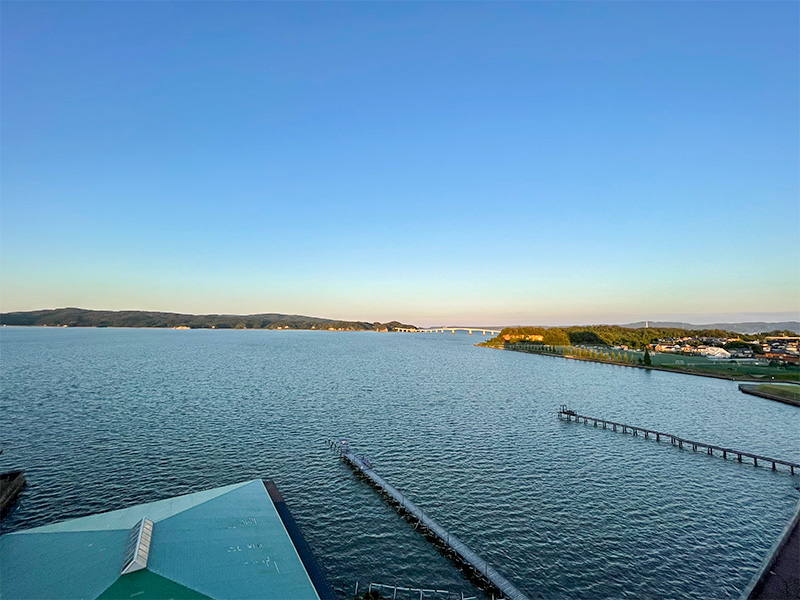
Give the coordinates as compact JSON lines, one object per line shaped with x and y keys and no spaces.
{"x":496,"y":163}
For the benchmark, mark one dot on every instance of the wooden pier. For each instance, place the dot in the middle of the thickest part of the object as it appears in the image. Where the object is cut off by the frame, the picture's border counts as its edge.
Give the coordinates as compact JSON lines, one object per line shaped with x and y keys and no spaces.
{"x":466,"y":556}
{"x":570,"y":415}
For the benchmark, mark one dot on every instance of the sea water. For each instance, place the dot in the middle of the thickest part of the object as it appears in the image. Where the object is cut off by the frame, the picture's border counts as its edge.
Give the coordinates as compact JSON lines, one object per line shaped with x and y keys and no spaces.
{"x":101,"y":419}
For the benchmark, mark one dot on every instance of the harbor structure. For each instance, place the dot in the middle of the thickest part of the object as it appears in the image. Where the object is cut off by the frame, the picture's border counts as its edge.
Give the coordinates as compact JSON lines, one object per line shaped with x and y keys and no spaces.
{"x":463,"y":554}
{"x":778,"y":576}
{"x":227,"y":542}
{"x":569,"y":415}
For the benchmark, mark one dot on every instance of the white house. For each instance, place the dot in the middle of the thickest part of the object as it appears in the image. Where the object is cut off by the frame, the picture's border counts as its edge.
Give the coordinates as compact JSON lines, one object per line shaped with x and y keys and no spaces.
{"x":716,"y":353}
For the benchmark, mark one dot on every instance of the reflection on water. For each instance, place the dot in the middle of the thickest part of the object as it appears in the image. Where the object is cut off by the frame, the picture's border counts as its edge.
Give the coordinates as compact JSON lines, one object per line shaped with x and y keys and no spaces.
{"x":104,"y":418}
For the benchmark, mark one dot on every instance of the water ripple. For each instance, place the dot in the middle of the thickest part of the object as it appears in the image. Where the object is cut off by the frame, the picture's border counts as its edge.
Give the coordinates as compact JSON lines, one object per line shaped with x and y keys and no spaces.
{"x":102,"y":419}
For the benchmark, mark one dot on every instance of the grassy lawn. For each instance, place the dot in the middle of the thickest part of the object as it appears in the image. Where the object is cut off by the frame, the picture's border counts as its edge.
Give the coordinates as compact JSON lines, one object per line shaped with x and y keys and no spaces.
{"x":739,"y":371}
{"x":792,"y":392}
{"x":701,"y":365}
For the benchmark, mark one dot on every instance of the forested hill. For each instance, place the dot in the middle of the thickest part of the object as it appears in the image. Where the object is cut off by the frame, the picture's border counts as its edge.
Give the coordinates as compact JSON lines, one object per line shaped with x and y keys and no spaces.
{"x":79,"y":317}
{"x":749,"y":327}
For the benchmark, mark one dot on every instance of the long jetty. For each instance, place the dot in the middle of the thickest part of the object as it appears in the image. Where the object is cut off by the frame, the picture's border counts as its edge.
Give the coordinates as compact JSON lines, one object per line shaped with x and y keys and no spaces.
{"x":466,"y":556}
{"x":569,"y":415}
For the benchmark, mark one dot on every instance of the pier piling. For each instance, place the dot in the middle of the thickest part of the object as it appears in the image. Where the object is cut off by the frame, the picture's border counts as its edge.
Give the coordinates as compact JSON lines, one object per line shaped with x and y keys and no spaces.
{"x":430,"y":527}
{"x":565,"y":413}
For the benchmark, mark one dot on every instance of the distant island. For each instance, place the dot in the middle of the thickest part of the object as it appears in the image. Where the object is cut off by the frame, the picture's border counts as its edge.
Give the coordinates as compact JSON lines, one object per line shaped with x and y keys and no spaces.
{"x":79,"y":317}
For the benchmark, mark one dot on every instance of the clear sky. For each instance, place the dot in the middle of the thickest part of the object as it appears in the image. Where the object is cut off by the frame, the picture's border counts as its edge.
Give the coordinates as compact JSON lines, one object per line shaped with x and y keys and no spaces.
{"x":492,"y":163}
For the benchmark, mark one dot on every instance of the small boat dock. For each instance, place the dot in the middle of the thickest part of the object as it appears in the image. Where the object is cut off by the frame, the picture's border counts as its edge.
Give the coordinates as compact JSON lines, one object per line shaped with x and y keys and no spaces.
{"x":465,"y":556}
{"x":567,"y":414}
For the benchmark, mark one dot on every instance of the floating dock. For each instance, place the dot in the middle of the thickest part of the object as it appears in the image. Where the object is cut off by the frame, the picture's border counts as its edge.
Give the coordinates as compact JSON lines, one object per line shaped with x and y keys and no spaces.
{"x":569,"y":415}
{"x":466,"y":556}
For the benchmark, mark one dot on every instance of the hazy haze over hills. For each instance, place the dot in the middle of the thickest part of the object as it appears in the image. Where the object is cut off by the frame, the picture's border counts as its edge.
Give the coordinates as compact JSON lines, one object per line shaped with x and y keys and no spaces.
{"x":79,"y":317}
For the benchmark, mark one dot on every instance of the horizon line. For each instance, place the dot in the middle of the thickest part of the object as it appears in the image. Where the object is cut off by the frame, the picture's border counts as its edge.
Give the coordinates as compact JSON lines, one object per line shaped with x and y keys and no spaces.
{"x":616,"y":322}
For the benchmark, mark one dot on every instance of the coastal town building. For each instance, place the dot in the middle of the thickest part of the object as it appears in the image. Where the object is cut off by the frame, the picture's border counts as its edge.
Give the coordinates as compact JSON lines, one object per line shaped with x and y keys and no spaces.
{"x":771,"y":349}
{"x":715,"y":353}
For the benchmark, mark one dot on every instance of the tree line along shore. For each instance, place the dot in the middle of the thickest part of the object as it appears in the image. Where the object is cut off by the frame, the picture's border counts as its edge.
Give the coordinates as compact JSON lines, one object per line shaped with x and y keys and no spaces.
{"x":636,"y":348}
{"x":624,"y":337}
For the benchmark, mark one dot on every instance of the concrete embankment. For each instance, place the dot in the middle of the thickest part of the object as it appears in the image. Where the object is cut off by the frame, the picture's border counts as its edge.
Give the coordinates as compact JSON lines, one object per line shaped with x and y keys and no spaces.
{"x":779,"y":575}
{"x":753,"y":389}
{"x":683,"y":371}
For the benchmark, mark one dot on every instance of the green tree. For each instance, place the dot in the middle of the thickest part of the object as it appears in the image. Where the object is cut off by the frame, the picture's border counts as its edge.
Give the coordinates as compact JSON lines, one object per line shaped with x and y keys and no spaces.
{"x":556,"y":336}
{"x":647,"y":360}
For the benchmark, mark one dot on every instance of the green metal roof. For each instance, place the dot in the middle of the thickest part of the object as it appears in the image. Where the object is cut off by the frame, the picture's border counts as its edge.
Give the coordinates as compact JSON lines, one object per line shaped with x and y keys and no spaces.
{"x":223,"y":543}
{"x":146,"y":584}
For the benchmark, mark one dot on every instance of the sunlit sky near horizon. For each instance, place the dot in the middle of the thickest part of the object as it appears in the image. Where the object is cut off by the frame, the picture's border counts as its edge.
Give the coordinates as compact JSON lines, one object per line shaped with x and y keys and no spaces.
{"x":484,"y":163}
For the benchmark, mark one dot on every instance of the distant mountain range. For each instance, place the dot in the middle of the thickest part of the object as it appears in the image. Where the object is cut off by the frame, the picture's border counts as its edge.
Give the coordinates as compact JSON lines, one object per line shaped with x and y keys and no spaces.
{"x":79,"y":317}
{"x":750,"y":327}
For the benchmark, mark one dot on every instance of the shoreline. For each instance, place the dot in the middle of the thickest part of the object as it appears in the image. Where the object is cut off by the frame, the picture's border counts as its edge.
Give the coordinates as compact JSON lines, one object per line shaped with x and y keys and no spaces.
{"x":656,"y":368}
{"x":181,"y":328}
{"x":756,"y":392}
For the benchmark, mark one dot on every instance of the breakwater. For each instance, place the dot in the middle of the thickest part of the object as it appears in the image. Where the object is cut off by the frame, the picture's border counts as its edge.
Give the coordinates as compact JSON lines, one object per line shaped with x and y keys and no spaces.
{"x":754,"y":390}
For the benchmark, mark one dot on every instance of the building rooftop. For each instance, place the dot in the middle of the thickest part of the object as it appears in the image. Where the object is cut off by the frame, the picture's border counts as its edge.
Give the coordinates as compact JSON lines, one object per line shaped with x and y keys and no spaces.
{"x":229,"y":542}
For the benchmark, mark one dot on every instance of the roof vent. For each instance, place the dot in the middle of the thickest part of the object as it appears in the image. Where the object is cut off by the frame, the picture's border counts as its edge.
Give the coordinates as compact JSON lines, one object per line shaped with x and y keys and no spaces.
{"x":138,"y":548}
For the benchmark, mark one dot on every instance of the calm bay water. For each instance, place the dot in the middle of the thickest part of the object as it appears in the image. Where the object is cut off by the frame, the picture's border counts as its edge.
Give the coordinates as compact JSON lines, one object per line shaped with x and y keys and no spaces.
{"x":104,"y":418}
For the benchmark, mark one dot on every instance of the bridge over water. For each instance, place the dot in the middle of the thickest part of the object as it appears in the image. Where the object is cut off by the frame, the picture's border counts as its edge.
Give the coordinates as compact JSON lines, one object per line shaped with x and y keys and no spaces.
{"x":483,"y":330}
